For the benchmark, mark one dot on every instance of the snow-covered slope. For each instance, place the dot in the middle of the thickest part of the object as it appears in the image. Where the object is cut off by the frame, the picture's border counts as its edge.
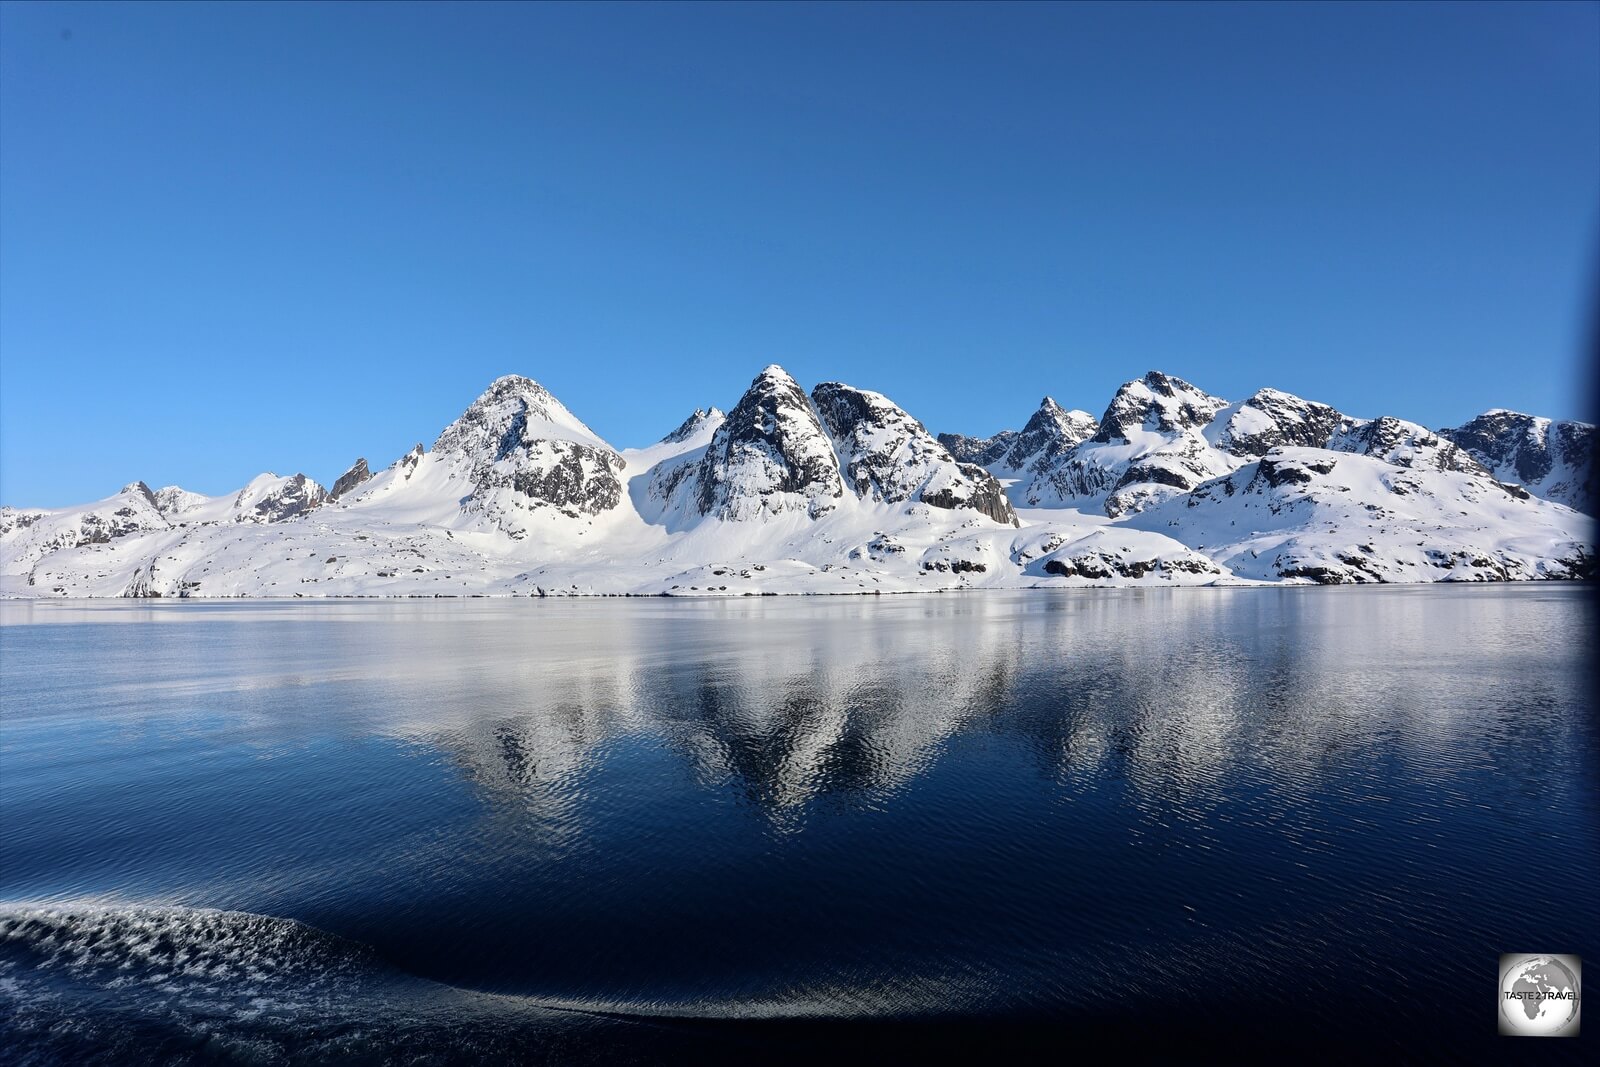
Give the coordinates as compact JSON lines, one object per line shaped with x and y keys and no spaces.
{"x":844,"y":491}
{"x":30,"y":534}
{"x":1337,"y":518}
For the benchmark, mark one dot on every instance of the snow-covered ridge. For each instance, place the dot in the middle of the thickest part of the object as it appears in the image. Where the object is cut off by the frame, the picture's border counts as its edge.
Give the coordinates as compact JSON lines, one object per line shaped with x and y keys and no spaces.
{"x":841,"y":490}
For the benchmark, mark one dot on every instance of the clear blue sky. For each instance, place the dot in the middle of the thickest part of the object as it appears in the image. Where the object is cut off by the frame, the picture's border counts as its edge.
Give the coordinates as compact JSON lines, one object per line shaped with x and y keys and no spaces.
{"x":236,"y":238}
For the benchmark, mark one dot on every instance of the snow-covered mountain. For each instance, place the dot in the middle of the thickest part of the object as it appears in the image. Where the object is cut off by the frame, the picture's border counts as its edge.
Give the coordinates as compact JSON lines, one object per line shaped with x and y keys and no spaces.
{"x":1149,"y":445}
{"x":770,"y":455}
{"x":1551,"y":459}
{"x":842,"y":490}
{"x":889,"y":457}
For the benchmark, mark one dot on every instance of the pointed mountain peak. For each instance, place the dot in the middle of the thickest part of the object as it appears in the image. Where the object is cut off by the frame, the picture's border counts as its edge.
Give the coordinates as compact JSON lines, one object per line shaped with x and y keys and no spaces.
{"x":769,"y":455}
{"x":1048,"y":432}
{"x":1051,"y":414}
{"x":508,"y":383}
{"x":1166,"y":384}
{"x":139,"y":489}
{"x":701,"y":420}
{"x":772,"y":377}
{"x":1272,"y":418}
{"x":514,"y":410}
{"x":350,"y":479}
{"x":1158,"y":403}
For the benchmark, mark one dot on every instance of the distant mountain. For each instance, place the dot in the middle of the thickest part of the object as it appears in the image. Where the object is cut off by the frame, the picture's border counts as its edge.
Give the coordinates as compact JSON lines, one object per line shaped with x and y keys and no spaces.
{"x":843,"y":491}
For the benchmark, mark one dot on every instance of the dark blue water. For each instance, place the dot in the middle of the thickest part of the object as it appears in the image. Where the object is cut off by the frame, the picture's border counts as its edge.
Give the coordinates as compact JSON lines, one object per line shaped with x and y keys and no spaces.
{"x":1193,"y":820}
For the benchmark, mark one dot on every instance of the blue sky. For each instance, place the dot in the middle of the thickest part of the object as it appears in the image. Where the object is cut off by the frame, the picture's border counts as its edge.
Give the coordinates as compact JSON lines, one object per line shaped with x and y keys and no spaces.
{"x":237,"y":238}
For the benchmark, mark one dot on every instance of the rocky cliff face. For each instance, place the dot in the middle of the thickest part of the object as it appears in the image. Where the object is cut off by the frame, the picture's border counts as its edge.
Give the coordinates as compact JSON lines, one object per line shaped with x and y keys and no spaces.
{"x":350,"y":479}
{"x":1049,"y":433}
{"x":769,"y":456}
{"x":1404,"y":444}
{"x":174,"y":501}
{"x":273,"y":499}
{"x":889,"y":457}
{"x":984,"y":451}
{"x":1156,"y":403}
{"x":1554,"y":460}
{"x":519,"y":450}
{"x":1274,"y":419}
{"x":1149,"y":446}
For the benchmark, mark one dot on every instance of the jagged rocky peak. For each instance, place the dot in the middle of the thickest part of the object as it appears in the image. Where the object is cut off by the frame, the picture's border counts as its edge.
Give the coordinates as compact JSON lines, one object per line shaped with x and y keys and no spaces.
{"x":702,"y":420}
{"x":980,"y":450}
{"x":1403,"y":444}
{"x":511,"y":412}
{"x":1555,"y":459}
{"x":890,"y":457}
{"x":1507,"y":438}
{"x":139,"y":489}
{"x":1158,"y":403}
{"x":407,"y":464}
{"x":175,"y":500}
{"x":269,"y":498}
{"x":1050,"y":431}
{"x":769,"y":455}
{"x":1272,"y":419}
{"x":522,"y":451}
{"x":350,"y":479}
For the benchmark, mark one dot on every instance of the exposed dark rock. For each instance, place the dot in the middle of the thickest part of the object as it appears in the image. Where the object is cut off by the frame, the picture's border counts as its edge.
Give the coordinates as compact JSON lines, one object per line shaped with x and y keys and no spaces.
{"x":350,"y":479}
{"x":1404,"y":444}
{"x":142,"y":490}
{"x":984,"y":451}
{"x":769,"y":455}
{"x":1273,"y":419}
{"x":407,"y":463}
{"x":889,"y":456}
{"x":1554,"y":460}
{"x":524,"y":451}
{"x":296,"y":496}
{"x":1156,"y":402}
{"x":1050,"y":432}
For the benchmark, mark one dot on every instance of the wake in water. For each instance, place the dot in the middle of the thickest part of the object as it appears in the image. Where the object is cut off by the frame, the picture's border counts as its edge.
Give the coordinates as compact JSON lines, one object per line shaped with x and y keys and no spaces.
{"x":117,"y":984}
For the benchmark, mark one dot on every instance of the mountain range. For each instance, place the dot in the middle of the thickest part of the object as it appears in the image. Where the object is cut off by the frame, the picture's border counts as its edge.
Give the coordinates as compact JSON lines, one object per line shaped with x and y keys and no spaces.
{"x":840,"y":490}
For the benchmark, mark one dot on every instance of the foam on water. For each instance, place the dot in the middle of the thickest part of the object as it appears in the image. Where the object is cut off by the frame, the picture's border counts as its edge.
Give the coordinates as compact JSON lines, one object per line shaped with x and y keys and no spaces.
{"x":113,"y":983}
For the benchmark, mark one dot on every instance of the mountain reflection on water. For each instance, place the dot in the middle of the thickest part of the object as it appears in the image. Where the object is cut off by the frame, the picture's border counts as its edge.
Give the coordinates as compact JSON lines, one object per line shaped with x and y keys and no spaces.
{"x":1082,"y":808}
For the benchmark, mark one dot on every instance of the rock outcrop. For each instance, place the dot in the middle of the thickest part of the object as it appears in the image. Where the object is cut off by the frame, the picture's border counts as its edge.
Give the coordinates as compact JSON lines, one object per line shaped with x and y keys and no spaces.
{"x":769,"y":456}
{"x":890,"y":457}
{"x":350,"y":479}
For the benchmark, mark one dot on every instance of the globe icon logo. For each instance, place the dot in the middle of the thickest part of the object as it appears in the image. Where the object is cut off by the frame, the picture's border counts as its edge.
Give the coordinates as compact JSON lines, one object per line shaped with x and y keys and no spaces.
{"x":1539,"y":995}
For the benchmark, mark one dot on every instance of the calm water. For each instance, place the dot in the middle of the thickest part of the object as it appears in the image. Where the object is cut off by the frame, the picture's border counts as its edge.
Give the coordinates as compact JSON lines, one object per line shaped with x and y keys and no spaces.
{"x":611,"y":830}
